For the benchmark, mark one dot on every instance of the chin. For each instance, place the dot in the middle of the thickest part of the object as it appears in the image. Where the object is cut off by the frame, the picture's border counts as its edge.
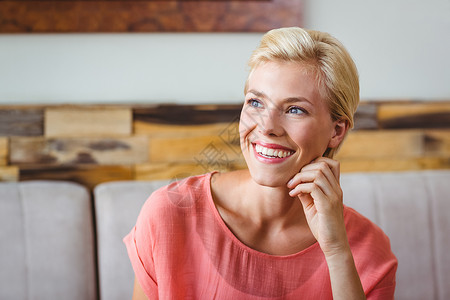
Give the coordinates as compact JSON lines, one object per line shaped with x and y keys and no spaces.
{"x":269,"y":179}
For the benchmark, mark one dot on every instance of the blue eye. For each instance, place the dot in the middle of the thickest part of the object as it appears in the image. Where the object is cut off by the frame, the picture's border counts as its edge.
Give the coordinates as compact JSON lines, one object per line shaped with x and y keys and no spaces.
{"x":254,"y":103}
{"x":296,"y":110}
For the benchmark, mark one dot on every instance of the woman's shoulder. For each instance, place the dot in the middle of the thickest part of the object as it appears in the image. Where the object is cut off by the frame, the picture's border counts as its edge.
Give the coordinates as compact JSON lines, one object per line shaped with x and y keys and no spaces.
{"x":368,"y":241}
{"x":361,"y":228}
{"x":371,"y":249}
{"x":177,"y":196}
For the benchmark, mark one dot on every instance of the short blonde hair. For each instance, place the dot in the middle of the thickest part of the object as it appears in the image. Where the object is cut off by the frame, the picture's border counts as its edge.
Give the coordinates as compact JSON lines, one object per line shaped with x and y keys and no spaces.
{"x":337,"y":76}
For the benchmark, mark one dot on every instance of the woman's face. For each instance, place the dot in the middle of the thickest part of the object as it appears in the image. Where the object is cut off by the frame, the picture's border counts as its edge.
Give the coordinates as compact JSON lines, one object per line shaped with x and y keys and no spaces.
{"x":284,"y":123}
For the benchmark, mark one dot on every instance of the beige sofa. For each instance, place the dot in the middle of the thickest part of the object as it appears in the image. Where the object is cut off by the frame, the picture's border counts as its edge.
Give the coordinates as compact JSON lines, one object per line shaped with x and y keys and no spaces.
{"x":49,"y":230}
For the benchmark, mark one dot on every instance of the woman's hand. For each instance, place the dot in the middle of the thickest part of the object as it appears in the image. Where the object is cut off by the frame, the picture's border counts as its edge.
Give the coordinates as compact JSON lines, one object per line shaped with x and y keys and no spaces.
{"x":317,"y":187}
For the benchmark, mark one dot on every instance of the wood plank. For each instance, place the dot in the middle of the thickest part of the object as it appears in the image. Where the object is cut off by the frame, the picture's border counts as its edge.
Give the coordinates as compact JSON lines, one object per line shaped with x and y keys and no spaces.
{"x":394,"y":164}
{"x":17,"y":121}
{"x":188,"y":114}
{"x":3,"y":151}
{"x":89,"y":176}
{"x":437,"y":143}
{"x":211,"y":150}
{"x":174,"y":171}
{"x":9,"y":173}
{"x":366,"y":116}
{"x":78,"y":151}
{"x":414,"y":115}
{"x":87,"y":121}
{"x":173,"y":130}
{"x":383,"y":143}
{"x":148,"y":16}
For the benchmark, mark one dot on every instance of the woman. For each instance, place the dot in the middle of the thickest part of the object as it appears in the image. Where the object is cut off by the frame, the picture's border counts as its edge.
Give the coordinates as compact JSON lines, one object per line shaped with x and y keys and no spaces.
{"x":278,"y":230}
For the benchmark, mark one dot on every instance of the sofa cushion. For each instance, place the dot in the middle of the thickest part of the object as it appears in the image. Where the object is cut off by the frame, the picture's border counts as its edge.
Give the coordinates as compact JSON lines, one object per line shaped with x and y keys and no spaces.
{"x":46,"y":241}
{"x":412,"y":208}
{"x":117,"y":205}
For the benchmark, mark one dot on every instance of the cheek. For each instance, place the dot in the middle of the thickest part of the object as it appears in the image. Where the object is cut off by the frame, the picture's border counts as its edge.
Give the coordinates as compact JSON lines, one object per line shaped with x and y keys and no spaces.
{"x":246,"y":124}
{"x":310,"y":138}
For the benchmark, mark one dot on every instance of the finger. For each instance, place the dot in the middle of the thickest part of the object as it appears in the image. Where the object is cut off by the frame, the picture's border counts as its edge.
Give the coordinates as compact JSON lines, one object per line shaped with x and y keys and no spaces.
{"x":334,"y":165}
{"x":306,"y":188}
{"x":310,"y":193}
{"x":325,"y":164}
{"x":317,"y":176}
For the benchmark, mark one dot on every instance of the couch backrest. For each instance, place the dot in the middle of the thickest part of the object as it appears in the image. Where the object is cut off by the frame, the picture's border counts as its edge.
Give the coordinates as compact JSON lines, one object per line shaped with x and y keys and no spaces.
{"x":413,"y":210}
{"x":46,"y":241}
{"x":117,"y":205}
{"x":411,"y":207}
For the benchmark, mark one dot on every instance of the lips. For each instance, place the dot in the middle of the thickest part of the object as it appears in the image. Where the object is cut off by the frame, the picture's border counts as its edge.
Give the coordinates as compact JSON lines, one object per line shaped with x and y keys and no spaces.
{"x":272,"y":151}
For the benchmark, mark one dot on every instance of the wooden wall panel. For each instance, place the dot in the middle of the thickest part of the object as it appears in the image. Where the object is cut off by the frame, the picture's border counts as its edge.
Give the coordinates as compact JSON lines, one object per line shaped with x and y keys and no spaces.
{"x":414,"y":115}
{"x":378,"y":144}
{"x":91,"y":144}
{"x":87,"y":122}
{"x":25,"y":121}
{"x":148,"y":16}
{"x":9,"y":173}
{"x":188,"y":114}
{"x":168,"y":130}
{"x":393,"y":164}
{"x":175,"y":170}
{"x":89,"y":176}
{"x":203,"y":149}
{"x":3,"y":151}
{"x":437,"y":143}
{"x":78,"y":151}
{"x":366,"y":116}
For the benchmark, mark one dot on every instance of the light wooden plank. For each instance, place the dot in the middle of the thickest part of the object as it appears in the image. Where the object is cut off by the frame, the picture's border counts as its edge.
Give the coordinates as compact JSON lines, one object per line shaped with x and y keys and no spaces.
{"x":394,"y":164}
{"x":3,"y":151}
{"x":88,"y":122}
{"x":396,"y":109}
{"x":414,"y":115}
{"x":173,"y":130}
{"x":174,"y":171}
{"x":9,"y":173}
{"x":89,"y":176}
{"x":382,"y":143}
{"x":208,"y":149}
{"x":79,"y":151}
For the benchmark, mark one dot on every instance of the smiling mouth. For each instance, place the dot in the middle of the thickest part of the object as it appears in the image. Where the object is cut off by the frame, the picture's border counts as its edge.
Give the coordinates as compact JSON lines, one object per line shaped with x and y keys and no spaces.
{"x":272,"y":153}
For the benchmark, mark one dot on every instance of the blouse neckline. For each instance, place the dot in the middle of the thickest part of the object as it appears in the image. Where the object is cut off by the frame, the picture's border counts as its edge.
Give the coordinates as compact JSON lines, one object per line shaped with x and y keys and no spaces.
{"x":238,"y":243}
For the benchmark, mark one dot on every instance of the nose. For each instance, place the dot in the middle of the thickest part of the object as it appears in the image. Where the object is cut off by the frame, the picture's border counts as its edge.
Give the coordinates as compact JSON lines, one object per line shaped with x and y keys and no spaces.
{"x":271,"y":123}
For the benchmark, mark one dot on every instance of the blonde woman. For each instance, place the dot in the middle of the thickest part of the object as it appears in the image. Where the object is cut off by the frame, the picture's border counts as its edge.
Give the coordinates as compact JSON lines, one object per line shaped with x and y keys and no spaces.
{"x":278,"y":230}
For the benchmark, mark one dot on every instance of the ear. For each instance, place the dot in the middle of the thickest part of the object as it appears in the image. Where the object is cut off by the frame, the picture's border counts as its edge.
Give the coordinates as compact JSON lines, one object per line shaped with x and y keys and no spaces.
{"x":340,"y":129}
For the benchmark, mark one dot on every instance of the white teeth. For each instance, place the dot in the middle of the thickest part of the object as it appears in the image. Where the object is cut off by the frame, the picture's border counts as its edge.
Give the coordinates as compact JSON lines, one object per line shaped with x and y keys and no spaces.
{"x":272,"y":152}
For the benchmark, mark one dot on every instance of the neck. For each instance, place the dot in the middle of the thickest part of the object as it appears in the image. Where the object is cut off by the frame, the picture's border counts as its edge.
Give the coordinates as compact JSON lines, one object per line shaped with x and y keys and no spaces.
{"x":265,"y":204}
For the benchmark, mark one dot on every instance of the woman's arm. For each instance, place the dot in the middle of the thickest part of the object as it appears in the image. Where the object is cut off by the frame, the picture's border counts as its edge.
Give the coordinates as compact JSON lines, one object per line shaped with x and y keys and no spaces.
{"x":318,"y":189}
{"x":138,"y":292}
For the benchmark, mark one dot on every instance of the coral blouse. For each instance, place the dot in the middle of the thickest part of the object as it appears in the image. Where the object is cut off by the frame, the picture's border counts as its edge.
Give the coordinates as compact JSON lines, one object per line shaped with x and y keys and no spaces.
{"x":180,"y":248}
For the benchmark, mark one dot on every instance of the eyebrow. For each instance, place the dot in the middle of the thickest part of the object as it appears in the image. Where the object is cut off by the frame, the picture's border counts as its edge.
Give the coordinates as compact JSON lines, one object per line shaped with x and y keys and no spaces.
{"x":287,"y":100}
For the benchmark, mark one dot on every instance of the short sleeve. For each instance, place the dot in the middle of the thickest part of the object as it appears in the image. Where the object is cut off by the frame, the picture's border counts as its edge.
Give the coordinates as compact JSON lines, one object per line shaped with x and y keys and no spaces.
{"x":386,"y":288}
{"x":374,"y":259}
{"x":139,"y":244}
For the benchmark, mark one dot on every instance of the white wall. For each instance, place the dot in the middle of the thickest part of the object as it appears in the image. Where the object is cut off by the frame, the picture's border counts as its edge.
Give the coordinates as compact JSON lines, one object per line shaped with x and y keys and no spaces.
{"x":401,"y":48}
